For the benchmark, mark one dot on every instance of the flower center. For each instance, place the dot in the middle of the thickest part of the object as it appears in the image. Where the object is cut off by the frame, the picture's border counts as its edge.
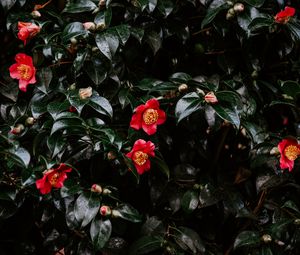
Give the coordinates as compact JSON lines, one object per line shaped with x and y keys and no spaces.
{"x":53,"y":179}
{"x":24,"y":71}
{"x":150,"y":116}
{"x":140,"y":157}
{"x":291,"y":152}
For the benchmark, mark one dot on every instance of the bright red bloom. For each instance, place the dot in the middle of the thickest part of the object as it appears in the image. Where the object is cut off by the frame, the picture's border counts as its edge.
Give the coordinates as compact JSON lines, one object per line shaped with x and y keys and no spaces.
{"x":289,"y":150}
{"x":27,"y":30}
{"x":23,"y":70}
{"x":53,"y":178}
{"x":148,"y":116}
{"x":284,"y":16}
{"x":140,"y":154}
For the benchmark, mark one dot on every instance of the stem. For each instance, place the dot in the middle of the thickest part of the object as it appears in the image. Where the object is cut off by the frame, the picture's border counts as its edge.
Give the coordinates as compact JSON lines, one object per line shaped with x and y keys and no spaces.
{"x":61,"y":63}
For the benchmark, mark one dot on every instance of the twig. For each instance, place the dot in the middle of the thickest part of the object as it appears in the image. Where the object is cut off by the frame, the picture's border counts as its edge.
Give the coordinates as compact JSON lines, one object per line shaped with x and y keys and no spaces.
{"x":61,"y":63}
{"x":201,"y":31}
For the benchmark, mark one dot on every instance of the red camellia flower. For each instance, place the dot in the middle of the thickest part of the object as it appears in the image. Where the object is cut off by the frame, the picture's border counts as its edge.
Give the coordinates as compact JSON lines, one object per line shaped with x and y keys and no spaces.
{"x":27,"y":30}
{"x":289,"y":150}
{"x":53,"y":178}
{"x":140,"y":154}
{"x":284,"y":16}
{"x":23,"y":70}
{"x":148,"y":116}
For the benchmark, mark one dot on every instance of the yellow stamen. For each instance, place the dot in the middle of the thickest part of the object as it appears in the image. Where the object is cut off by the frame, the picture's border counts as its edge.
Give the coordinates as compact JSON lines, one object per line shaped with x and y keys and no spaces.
{"x":140,"y":157}
{"x":24,"y":71}
{"x":292,"y":152}
{"x":150,"y":116}
{"x":54,"y":178}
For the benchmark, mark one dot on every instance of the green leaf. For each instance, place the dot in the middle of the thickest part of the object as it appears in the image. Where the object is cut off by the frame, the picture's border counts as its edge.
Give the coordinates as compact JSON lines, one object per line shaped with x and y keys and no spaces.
{"x":291,"y":205}
{"x":229,"y":96}
{"x":188,"y":239}
{"x":104,"y":17}
{"x":101,"y":104}
{"x":80,"y":59}
{"x":127,"y":212}
{"x":96,"y":70}
{"x":211,"y":14}
{"x":68,"y":124}
{"x":255,"y":3}
{"x":44,"y":79}
{"x":180,"y":78}
{"x":146,"y":245}
{"x":266,"y":251}
{"x":165,"y":7}
{"x":123,"y":32}
{"x":279,"y":229}
{"x":260,"y":23}
{"x":188,"y":104}
{"x":256,"y":132}
{"x":154,"y":41}
{"x":78,"y":6}
{"x":55,"y":108}
{"x":229,"y":114}
{"x":189,"y":201}
{"x":10,"y":90}
{"x":161,"y":165}
{"x":247,"y":239}
{"x":20,"y":155}
{"x":7,"y":4}
{"x":294,"y":27}
{"x":291,"y":88}
{"x":108,"y":43}
{"x":73,"y":30}
{"x":55,"y":144}
{"x":100,"y":232}
{"x":86,"y":208}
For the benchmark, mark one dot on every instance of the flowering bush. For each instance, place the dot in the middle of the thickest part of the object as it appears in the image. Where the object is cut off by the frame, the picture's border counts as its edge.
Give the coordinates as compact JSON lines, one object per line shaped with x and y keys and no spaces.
{"x":149,"y":127}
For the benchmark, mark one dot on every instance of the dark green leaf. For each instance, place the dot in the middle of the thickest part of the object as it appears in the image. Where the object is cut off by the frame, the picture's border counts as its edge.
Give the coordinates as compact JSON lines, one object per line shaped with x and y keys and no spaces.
{"x":78,"y":6}
{"x":229,"y":114}
{"x":100,"y":104}
{"x":100,"y":232}
{"x":291,"y":88}
{"x":189,"y":201}
{"x":247,"y":239}
{"x":189,"y":239}
{"x":86,"y":208}
{"x":154,"y":41}
{"x":7,"y":4}
{"x":44,"y":77}
{"x":255,"y":3}
{"x":96,"y":70}
{"x":211,"y":14}
{"x":20,"y":155}
{"x":104,"y":17}
{"x":187,"y":105}
{"x":108,"y":43}
{"x":80,"y":59}
{"x":127,"y":212}
{"x":73,"y":30}
{"x":123,"y":32}
{"x":146,"y":245}
{"x":161,"y":165}
{"x":180,"y":77}
{"x":67,"y":124}
{"x":10,"y":90}
{"x":260,"y":23}
{"x":165,"y":7}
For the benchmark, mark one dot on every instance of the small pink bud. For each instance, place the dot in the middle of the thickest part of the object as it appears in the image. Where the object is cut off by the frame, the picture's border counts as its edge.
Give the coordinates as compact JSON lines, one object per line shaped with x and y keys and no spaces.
{"x":89,"y":26}
{"x":85,"y":93}
{"x":211,"y":98}
{"x":105,"y":210}
{"x":96,"y":188}
{"x":238,"y":7}
{"x":18,"y":129}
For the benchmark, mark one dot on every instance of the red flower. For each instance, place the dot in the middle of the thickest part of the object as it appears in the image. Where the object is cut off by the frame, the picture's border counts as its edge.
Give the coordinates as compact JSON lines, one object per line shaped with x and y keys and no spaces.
{"x":284,"y":16}
{"x":53,"y":178}
{"x":140,"y":155}
{"x":23,"y":70}
{"x":27,"y":30}
{"x":289,"y":150}
{"x":148,"y":116}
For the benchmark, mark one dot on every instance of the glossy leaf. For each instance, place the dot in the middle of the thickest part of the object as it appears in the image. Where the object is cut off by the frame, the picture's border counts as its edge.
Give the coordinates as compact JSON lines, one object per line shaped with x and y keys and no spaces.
{"x":100,"y":232}
{"x":247,"y":239}
{"x":145,"y":245}
{"x":78,"y":6}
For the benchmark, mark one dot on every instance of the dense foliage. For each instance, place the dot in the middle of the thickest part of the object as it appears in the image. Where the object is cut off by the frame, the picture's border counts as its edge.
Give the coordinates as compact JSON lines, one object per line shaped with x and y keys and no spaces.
{"x":149,"y":127}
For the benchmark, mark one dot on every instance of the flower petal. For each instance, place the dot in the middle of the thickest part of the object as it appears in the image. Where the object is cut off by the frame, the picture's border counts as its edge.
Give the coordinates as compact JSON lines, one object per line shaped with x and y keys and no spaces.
{"x":13,"y":71}
{"x":139,"y":145}
{"x":161,"y":117}
{"x":152,"y":103}
{"x":149,"y":129}
{"x":136,"y":121}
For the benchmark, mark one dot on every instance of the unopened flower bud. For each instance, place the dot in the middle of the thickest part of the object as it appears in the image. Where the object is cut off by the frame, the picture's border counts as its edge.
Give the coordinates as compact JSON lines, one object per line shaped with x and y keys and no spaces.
{"x":111,"y":155}
{"x":30,"y":121}
{"x":266,"y":238}
{"x":18,"y":129}
{"x":35,"y":14}
{"x":297,"y":221}
{"x":274,"y":151}
{"x":100,"y":26}
{"x":280,"y":243}
{"x":115,"y":214}
{"x":102,"y":3}
{"x":230,"y":14}
{"x":183,"y":88}
{"x":85,"y":93}
{"x":72,"y":86}
{"x":73,"y":40}
{"x":105,"y":210}
{"x":96,"y":188}
{"x":238,"y":7}
{"x":106,"y":191}
{"x":211,"y":98}
{"x":91,"y":26}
